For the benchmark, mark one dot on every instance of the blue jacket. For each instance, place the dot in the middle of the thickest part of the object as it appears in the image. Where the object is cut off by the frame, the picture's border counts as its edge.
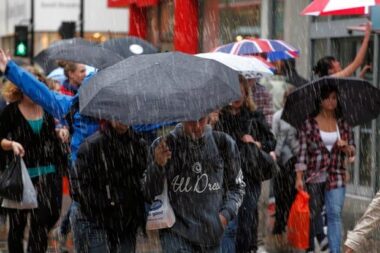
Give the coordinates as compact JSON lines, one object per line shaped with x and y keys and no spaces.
{"x":56,"y":104}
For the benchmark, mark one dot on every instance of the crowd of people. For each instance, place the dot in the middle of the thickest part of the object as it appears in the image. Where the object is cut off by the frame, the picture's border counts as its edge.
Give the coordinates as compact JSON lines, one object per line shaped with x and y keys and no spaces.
{"x":115,"y":171}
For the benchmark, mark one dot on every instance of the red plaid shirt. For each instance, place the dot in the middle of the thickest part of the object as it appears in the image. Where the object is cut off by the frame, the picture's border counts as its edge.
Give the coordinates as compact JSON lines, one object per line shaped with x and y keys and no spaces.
{"x":264,"y":101}
{"x":314,"y":157}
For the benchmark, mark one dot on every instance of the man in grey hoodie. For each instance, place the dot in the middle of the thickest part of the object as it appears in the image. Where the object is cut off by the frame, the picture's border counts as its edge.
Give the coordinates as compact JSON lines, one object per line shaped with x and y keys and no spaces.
{"x":205,"y":185}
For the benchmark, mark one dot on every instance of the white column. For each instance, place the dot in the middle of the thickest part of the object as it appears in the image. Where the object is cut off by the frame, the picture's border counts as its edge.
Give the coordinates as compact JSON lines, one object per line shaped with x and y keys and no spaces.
{"x":297,"y":33}
{"x":266,"y":19}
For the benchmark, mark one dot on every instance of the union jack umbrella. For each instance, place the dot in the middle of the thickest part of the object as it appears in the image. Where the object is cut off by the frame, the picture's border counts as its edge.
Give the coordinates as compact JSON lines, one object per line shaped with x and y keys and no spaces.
{"x":273,"y":49}
{"x":339,"y":7}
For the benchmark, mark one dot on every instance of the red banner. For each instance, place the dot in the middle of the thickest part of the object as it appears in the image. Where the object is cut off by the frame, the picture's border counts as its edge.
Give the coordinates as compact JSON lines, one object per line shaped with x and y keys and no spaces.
{"x":119,"y":3}
{"x":137,"y":21}
{"x":126,"y":3}
{"x":186,"y":26}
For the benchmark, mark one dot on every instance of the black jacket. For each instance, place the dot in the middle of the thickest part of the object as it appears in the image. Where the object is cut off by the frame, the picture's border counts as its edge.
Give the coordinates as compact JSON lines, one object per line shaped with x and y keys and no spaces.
{"x":41,"y":149}
{"x":247,"y":122}
{"x":106,"y":180}
{"x":256,"y":165}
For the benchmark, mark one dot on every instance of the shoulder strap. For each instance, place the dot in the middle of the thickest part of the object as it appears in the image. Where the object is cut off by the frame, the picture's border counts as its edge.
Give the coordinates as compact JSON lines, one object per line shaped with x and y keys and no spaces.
{"x":220,"y":141}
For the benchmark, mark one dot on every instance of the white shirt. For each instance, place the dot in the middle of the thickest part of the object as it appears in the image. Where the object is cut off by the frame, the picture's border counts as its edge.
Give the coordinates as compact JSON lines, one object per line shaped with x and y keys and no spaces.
{"x":329,"y":139}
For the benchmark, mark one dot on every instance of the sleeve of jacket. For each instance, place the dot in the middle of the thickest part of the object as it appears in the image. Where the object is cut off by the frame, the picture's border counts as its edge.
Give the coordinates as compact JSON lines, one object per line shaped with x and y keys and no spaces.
{"x":5,"y":123}
{"x":301,"y":164}
{"x":265,"y":135}
{"x":280,"y":136}
{"x":367,"y":223}
{"x":233,"y":178}
{"x":293,"y":141}
{"x":84,"y":176}
{"x":56,"y":104}
{"x":154,"y":176}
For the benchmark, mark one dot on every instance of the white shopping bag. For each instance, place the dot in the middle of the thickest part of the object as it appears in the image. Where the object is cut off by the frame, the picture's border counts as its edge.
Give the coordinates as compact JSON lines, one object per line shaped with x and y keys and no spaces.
{"x":161,"y":214}
{"x":29,"y":195}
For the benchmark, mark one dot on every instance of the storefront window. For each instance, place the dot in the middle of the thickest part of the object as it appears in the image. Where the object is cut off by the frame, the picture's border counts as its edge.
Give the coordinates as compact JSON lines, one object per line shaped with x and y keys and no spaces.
{"x":166,"y":24}
{"x":239,"y":19}
{"x":278,"y":19}
{"x":319,"y":49}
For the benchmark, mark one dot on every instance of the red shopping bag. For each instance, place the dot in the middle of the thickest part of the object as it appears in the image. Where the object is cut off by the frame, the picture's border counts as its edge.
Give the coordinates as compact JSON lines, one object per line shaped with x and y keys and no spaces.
{"x":299,"y":222}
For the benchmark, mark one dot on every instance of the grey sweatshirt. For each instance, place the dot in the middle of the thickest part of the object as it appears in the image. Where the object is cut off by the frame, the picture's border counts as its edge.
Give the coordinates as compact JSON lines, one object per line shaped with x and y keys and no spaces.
{"x":204,"y":180}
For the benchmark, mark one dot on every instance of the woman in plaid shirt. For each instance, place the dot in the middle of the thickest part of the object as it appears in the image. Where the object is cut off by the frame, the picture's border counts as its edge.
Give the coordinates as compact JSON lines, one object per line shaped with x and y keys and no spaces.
{"x":325,"y":143}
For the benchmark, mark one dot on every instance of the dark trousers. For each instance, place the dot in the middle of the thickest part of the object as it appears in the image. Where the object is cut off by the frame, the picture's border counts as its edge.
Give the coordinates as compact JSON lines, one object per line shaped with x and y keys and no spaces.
{"x":91,"y":236}
{"x":316,"y":204}
{"x":248,"y":219}
{"x":284,"y":193}
{"x":174,"y":243}
{"x":42,"y":219}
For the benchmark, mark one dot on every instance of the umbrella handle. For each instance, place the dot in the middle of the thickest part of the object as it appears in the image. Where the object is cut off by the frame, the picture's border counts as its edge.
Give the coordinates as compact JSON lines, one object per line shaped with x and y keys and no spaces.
{"x":337,"y":130}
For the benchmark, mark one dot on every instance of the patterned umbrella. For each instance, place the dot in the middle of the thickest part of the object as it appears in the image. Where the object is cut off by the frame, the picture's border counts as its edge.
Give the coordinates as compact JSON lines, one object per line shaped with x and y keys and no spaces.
{"x":249,"y":67}
{"x":339,"y":7}
{"x":273,"y":49}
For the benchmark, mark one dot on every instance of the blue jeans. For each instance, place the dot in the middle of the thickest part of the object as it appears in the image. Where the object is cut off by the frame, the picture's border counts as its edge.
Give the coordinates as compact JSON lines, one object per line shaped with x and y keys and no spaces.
{"x":173,"y":243}
{"x":229,"y":237}
{"x":90,"y":237}
{"x":334,"y":201}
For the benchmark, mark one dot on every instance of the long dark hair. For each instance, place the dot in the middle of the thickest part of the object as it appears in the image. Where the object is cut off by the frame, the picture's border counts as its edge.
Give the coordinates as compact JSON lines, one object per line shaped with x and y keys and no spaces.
{"x":325,"y":91}
{"x":323,"y":66}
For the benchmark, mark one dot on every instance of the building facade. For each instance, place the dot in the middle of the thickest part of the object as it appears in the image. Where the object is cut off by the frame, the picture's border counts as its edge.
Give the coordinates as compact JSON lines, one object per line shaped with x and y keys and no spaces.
{"x":100,"y":22}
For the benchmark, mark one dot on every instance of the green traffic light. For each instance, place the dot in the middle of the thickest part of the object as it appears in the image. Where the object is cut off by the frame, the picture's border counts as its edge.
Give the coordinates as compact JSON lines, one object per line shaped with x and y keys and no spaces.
{"x":21,"y":49}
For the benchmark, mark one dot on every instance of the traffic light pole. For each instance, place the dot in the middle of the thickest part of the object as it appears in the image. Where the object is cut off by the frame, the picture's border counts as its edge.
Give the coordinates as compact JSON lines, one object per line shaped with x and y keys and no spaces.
{"x":81,"y":19}
{"x":32,"y":32}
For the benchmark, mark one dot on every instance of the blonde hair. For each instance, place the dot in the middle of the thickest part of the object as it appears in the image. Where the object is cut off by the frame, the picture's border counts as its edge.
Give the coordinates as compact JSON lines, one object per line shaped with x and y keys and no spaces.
{"x":248,"y":95}
{"x":11,"y":92}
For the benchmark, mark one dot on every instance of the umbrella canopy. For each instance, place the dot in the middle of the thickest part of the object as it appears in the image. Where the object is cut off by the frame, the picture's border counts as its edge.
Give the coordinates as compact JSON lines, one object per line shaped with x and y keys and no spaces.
{"x":92,"y":55}
{"x":249,"y":67}
{"x":162,"y":87}
{"x":274,"y":49}
{"x":48,"y":64}
{"x":359,"y":100}
{"x":339,"y":7}
{"x":130,"y":46}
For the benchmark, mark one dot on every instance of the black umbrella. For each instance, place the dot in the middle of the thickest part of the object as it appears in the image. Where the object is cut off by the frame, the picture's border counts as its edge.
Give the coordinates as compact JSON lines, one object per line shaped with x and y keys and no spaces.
{"x":359,"y":100}
{"x":130,"y":46}
{"x":48,"y":64}
{"x":162,"y":87}
{"x":95,"y":56}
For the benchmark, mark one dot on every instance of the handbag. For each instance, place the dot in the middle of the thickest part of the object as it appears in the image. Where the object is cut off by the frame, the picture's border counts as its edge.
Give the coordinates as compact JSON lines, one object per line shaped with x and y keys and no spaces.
{"x":11,"y":186}
{"x":299,"y":222}
{"x":257,"y":165}
{"x":29,"y":194}
{"x":161,"y":214}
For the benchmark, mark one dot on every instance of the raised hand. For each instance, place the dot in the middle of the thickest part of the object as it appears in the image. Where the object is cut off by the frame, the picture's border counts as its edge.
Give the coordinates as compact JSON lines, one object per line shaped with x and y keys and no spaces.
{"x":162,"y":153}
{"x":4,"y":58}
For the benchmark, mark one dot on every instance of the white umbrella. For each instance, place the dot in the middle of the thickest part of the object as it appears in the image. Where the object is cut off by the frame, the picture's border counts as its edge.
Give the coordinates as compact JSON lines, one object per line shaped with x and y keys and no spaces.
{"x":249,"y":67}
{"x":339,"y":7}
